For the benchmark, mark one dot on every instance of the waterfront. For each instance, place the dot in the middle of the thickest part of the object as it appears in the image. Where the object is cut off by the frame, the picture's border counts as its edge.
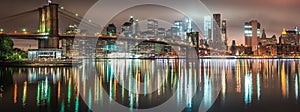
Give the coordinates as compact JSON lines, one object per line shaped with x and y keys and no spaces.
{"x":241,"y":84}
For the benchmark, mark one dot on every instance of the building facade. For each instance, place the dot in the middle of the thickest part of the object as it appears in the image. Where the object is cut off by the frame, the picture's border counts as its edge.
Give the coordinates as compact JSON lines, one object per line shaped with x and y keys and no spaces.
{"x":207,"y":28}
{"x":252,"y":33}
{"x":152,"y":27}
{"x":224,"y":33}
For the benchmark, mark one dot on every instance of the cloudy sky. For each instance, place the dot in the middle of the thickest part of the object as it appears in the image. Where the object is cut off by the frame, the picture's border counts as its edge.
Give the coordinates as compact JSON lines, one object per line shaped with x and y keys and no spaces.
{"x":272,"y":14}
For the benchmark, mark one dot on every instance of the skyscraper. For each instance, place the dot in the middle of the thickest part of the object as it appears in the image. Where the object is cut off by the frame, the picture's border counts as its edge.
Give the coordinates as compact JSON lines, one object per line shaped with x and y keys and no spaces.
{"x":207,"y":27}
{"x":252,"y":33}
{"x":136,"y":29}
{"x":224,"y":32}
{"x":289,"y":36}
{"x":127,"y":28}
{"x":174,"y":31}
{"x":188,"y":28}
{"x":152,"y":26}
{"x":217,"y":18}
{"x":161,"y":32}
{"x":188,"y":25}
{"x":180,"y":26}
{"x":217,"y":41}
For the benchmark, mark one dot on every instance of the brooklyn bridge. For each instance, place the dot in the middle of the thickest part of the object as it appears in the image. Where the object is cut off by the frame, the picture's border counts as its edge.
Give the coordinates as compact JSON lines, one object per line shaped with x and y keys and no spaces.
{"x":50,"y":39}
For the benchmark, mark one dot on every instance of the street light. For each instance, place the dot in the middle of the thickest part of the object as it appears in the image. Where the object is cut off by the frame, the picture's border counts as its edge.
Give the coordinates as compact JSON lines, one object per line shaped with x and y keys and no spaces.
{"x":1,"y":31}
{"x":24,"y":30}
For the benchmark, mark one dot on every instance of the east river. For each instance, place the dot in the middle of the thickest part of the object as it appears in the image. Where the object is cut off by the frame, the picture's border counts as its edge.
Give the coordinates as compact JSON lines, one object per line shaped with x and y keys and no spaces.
{"x":154,"y":85}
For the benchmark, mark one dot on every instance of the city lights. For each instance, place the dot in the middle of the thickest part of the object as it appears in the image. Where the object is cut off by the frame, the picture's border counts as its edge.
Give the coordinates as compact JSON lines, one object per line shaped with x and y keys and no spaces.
{"x":24,"y":30}
{"x":143,"y":57}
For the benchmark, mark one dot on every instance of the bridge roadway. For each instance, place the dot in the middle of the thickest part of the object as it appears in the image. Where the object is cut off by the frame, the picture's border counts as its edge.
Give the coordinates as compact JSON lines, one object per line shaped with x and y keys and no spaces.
{"x":45,"y":36}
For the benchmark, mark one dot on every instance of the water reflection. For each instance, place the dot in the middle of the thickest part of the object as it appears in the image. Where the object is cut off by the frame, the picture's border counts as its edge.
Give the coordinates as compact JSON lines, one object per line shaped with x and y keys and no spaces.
{"x":149,"y":83}
{"x":146,"y":83}
{"x":44,"y":89}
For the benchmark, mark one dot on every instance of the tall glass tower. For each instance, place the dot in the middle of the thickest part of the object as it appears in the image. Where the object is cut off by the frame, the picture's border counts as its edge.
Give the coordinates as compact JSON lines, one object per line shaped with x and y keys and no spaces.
{"x":179,"y":24}
{"x":207,"y":27}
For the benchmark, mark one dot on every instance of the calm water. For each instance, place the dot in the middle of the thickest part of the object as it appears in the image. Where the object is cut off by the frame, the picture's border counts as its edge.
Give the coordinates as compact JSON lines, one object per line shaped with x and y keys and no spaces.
{"x":212,"y":85}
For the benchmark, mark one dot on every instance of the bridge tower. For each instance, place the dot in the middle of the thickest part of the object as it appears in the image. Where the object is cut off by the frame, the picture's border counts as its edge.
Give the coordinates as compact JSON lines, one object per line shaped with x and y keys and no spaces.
{"x":48,"y":23}
{"x":194,"y":38}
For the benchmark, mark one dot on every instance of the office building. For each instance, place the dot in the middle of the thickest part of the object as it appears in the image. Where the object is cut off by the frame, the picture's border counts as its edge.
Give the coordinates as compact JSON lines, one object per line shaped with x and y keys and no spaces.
{"x":180,"y":26}
{"x":290,"y":36}
{"x":252,"y":33}
{"x":207,"y":28}
{"x":224,"y":32}
{"x":217,"y":42}
{"x":188,"y":25}
{"x":152,"y":27}
{"x":174,"y":31}
{"x":161,"y":32}
{"x":136,"y":29}
{"x":127,"y":30}
{"x":217,"y":18}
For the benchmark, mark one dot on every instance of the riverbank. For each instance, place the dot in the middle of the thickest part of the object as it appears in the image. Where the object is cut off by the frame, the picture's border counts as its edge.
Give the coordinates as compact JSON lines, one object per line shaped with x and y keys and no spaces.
{"x":212,"y":57}
{"x":40,"y":63}
{"x":74,"y":62}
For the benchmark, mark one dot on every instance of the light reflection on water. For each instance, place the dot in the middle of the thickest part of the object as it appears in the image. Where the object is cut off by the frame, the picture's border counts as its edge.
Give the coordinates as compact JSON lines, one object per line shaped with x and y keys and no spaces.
{"x":148,"y":83}
{"x":245,"y":85}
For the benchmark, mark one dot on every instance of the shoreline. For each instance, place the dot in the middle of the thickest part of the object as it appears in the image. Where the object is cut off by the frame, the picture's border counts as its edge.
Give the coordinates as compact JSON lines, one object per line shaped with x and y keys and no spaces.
{"x":77,"y":61}
{"x":29,"y":63}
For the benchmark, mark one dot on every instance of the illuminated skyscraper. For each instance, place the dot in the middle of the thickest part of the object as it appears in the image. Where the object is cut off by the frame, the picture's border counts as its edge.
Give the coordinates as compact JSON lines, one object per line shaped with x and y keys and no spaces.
{"x":152,"y":26}
{"x":224,"y":32}
{"x":127,"y":28}
{"x":207,"y":28}
{"x":136,"y":29}
{"x":289,"y":36}
{"x":188,"y":28}
{"x":188,"y":25}
{"x":252,"y":33}
{"x":180,"y":27}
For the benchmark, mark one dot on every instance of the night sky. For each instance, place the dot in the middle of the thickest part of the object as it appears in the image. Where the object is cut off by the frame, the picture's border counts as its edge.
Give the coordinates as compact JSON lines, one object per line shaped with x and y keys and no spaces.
{"x":274,"y":15}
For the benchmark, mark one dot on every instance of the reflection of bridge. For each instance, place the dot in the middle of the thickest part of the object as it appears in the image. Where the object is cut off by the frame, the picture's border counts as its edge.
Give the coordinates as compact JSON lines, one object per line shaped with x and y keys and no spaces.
{"x":48,"y":35}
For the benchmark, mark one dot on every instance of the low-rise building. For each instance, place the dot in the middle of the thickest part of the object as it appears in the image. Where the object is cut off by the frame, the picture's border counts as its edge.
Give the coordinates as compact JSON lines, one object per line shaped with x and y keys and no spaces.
{"x":35,"y":54}
{"x":243,"y":50}
{"x":267,"y":50}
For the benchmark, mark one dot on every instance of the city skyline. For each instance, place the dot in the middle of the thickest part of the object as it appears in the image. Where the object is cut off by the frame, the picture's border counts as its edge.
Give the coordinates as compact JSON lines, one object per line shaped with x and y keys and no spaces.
{"x":149,"y":55}
{"x":272,"y":18}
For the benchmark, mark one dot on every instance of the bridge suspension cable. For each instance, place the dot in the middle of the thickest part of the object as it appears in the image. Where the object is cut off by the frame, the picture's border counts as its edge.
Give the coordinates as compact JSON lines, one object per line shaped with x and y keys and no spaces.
{"x":78,"y":18}
{"x":17,"y":15}
{"x":84,"y":23}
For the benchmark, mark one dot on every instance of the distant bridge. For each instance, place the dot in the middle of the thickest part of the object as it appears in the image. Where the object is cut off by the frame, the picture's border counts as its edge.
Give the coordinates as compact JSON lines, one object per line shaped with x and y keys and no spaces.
{"x":48,"y":35}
